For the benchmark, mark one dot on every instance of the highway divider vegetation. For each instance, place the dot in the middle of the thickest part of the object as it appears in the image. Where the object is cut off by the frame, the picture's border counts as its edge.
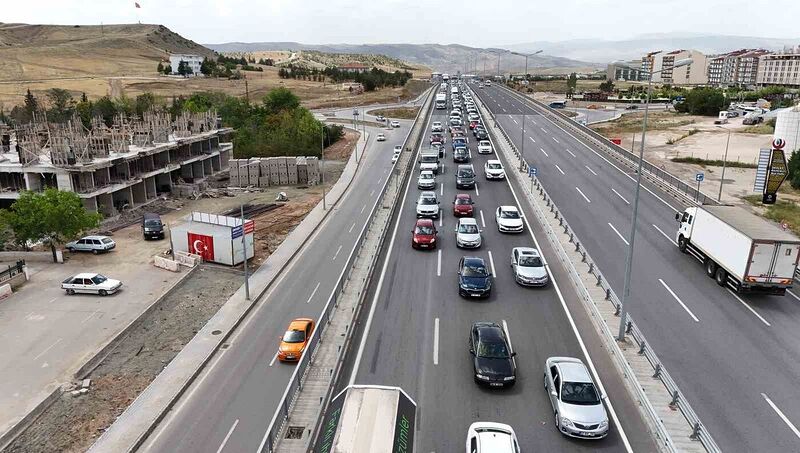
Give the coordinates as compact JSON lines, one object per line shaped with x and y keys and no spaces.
{"x":712,"y":162}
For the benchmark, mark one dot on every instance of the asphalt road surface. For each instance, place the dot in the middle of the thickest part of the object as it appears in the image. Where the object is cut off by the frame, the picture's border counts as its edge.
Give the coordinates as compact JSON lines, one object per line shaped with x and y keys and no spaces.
{"x":736,"y":358}
{"x":417,"y":338}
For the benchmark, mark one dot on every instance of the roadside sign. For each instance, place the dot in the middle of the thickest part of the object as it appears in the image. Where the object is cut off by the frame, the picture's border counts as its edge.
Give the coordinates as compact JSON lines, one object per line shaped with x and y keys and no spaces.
{"x":699,"y":177}
{"x":761,"y":171}
{"x":776,"y":174}
{"x":531,"y":171}
{"x":249,"y":227}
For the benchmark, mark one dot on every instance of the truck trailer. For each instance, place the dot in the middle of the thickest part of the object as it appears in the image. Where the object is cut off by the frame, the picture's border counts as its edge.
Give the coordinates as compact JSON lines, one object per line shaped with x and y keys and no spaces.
{"x":441,"y":101}
{"x":738,"y":249}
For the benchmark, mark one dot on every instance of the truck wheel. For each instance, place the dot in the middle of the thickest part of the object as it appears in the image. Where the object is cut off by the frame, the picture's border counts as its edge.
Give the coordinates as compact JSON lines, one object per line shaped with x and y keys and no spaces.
{"x":721,"y":277}
{"x":682,"y":243}
{"x":711,"y":267}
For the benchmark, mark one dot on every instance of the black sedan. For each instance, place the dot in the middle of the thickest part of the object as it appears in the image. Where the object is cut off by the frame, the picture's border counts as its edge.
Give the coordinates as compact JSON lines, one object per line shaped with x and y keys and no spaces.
{"x":492,"y":359}
{"x":481,"y":134}
{"x":474,"y":278}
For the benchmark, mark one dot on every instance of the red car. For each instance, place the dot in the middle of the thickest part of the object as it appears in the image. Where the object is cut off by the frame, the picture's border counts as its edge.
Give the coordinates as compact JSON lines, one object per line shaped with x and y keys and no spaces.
{"x":456,"y":130}
{"x":423,"y":236}
{"x":437,"y":137}
{"x":472,"y":124}
{"x":462,"y":205}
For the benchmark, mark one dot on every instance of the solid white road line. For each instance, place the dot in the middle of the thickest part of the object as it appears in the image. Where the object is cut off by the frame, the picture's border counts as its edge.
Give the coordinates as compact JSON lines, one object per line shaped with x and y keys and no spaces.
{"x":313,"y":292}
{"x":441,"y":190}
{"x":679,"y":301}
{"x":351,"y":227}
{"x":483,"y":221}
{"x":665,"y":234}
{"x":508,"y":337}
{"x":571,"y":153}
{"x":584,"y":196}
{"x":618,"y":234}
{"x":436,"y":341}
{"x":439,"y":263}
{"x":272,"y":362}
{"x":534,"y":141}
{"x":491,"y":263}
{"x":545,"y":152}
{"x":587,"y":167}
{"x":337,"y":253}
{"x":559,"y":169}
{"x":363,"y":208}
{"x":782,"y":416}
{"x":619,"y":195}
{"x":793,"y":294}
{"x":749,"y":308}
{"x":47,"y":349}
{"x":556,"y":140}
{"x":228,"y":436}
{"x":543,"y":130}
{"x":477,"y":192}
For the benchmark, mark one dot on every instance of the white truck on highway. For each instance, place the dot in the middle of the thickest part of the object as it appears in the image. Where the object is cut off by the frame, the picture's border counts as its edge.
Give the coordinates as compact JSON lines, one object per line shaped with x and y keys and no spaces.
{"x":441,"y":101}
{"x":429,"y":160}
{"x":739,"y":249}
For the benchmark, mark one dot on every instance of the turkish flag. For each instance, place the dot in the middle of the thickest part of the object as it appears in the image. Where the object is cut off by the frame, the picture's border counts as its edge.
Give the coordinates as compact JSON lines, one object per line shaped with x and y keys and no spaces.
{"x":202,"y":245}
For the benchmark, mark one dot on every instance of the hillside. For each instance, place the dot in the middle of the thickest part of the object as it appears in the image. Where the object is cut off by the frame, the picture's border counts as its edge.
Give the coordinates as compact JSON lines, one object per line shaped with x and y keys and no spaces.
{"x":35,"y":52}
{"x":439,"y":57}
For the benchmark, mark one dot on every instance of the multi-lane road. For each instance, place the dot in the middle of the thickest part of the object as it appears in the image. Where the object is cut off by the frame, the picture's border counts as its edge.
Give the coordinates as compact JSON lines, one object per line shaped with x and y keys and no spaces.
{"x":416,"y":335}
{"x":232,"y":401}
{"x":736,"y":358}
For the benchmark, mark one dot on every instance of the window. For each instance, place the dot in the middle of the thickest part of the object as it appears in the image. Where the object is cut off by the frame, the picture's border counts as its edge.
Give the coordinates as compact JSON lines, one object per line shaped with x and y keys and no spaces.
{"x":294,"y":336}
{"x":97,"y":279}
{"x":473,"y":445}
{"x":82,"y":241}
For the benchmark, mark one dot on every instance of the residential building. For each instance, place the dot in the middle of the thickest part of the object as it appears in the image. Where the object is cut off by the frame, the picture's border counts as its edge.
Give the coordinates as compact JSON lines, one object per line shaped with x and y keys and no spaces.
{"x":779,"y":69}
{"x":114,"y":168}
{"x":194,"y":62}
{"x":692,"y":74}
{"x":737,"y":68}
{"x":651,"y":62}
{"x":626,"y":71}
{"x":354,"y":67}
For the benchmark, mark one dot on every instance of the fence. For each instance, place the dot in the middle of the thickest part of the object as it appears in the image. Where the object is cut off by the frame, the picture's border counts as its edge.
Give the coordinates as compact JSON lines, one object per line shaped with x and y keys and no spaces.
{"x":275,"y":427}
{"x":660,"y":372}
{"x":12,"y":270}
{"x":602,"y":143}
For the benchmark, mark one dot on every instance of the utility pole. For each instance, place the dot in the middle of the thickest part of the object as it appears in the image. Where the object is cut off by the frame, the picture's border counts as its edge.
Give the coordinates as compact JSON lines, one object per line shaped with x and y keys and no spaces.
{"x":322,"y":165}
{"x":244,"y":249}
{"x":246,"y":90}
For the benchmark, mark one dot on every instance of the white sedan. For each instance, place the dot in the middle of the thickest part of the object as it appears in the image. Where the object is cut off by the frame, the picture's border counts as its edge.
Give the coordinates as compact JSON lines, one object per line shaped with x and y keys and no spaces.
{"x":493,"y":169}
{"x":395,"y":123}
{"x":380,"y":137}
{"x":91,"y":283}
{"x":509,"y":219}
{"x":484,"y":147}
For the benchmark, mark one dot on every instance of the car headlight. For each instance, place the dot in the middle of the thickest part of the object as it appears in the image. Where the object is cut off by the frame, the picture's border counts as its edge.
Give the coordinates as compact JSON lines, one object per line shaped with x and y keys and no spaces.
{"x":566,"y":422}
{"x":509,"y":378}
{"x":416,"y":241}
{"x":603,"y":424}
{"x":482,"y":377}
{"x":433,"y":240}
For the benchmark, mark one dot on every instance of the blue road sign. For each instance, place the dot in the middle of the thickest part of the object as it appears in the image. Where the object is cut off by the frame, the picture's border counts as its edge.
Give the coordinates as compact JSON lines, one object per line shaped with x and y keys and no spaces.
{"x":236,"y":232}
{"x":531,"y":171}
{"x":699,"y":177}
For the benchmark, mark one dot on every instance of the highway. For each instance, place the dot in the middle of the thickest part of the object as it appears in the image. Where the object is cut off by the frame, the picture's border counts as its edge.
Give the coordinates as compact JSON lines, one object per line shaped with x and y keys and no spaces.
{"x":736,"y":358}
{"x":415,"y":333}
{"x":232,"y":401}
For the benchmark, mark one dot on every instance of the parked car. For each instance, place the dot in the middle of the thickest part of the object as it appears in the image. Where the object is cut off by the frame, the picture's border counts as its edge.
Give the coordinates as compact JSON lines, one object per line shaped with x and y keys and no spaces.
{"x":428,"y":205}
{"x":294,"y":341}
{"x":576,"y":402}
{"x":468,"y":235}
{"x":380,"y":137}
{"x":395,"y":156}
{"x":489,"y":437}
{"x":426,"y":180}
{"x":152,"y":228}
{"x":493,"y":361}
{"x":463,"y":205}
{"x":509,"y":219}
{"x":474,"y":278}
{"x":423,"y":236}
{"x":484,"y":147}
{"x":91,"y":283}
{"x":632,"y":107}
{"x":529,"y":267}
{"x":94,"y":244}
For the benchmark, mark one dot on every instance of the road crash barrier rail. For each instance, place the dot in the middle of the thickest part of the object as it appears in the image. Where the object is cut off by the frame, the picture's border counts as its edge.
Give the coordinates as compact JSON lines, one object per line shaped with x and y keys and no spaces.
{"x":678,"y":401}
{"x":277,"y":424}
{"x":653,"y":173}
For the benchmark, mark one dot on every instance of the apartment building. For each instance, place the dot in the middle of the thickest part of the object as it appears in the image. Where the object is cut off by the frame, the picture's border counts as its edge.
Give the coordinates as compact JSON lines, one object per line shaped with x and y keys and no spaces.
{"x":194,"y":62}
{"x":113,"y":168}
{"x":779,"y":69}
{"x":651,"y":62}
{"x":626,"y":71}
{"x":737,"y":68}
{"x":692,"y":74}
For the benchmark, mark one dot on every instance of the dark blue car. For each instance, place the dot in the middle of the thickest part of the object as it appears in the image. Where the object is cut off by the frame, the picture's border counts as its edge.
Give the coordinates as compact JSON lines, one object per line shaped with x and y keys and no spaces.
{"x":474,"y":278}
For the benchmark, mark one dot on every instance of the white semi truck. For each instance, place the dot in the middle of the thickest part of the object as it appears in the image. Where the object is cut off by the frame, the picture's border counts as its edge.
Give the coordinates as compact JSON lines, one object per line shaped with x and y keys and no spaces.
{"x":738,"y":249}
{"x":441,"y":101}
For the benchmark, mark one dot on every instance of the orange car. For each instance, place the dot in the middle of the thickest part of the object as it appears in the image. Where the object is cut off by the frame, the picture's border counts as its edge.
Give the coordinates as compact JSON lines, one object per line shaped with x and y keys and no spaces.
{"x":295,"y":340}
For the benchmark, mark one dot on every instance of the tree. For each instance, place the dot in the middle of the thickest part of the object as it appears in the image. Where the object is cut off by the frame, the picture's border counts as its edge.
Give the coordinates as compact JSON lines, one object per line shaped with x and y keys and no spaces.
{"x":184,"y":69}
{"x":207,"y":66}
{"x":572,"y":83}
{"x":63,"y":105}
{"x":143,"y":103}
{"x":31,"y":104}
{"x":168,"y":69}
{"x":53,"y":216}
{"x":702,"y":101}
{"x":105,"y":108}
{"x":794,"y":170}
{"x":280,"y":99}
{"x":160,"y":67}
{"x":607,"y":86}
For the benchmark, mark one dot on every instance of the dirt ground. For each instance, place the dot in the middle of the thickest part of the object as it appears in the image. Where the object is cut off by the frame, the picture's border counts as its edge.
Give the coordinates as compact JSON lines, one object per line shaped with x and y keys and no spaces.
{"x":403,"y":113}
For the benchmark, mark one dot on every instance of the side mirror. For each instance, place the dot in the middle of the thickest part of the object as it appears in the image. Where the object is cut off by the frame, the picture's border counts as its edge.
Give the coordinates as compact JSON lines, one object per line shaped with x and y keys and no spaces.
{"x":472,"y":351}
{"x":554,"y":393}
{"x":678,"y":216}
{"x":514,"y":354}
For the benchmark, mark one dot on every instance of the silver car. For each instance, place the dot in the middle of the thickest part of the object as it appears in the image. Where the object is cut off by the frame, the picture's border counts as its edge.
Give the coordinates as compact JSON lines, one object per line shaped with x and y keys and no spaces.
{"x":427,"y":180}
{"x":529,"y":267}
{"x":577,"y":404}
{"x":468,"y":235}
{"x":94,"y":244}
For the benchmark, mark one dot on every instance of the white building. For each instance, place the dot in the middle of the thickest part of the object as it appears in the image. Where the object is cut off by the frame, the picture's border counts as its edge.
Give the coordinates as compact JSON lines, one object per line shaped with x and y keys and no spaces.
{"x":194,"y":62}
{"x":787,"y":127}
{"x":779,"y":69}
{"x":692,"y":74}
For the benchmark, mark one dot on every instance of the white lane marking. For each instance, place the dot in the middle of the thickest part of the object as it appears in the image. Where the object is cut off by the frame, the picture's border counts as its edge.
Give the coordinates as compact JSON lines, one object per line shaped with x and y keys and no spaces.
{"x":228,"y":436}
{"x":337,"y":253}
{"x":679,"y":301}
{"x":587,"y":167}
{"x":351,"y":227}
{"x":313,"y":292}
{"x":363,"y":208}
{"x":436,"y":341}
{"x":559,"y":169}
{"x":508,"y":337}
{"x":543,"y":130}
{"x":556,"y":140}
{"x":584,"y":196}
{"x":441,"y":217}
{"x":477,"y":192}
{"x":491,"y":262}
{"x":623,"y":198}
{"x":272,"y":362}
{"x":618,"y":234}
{"x":520,"y":110}
{"x":483,"y":221}
{"x":571,"y":153}
{"x":53,"y":300}
{"x":532,"y":121}
{"x":439,"y":263}
{"x":47,"y":349}
{"x":793,"y":294}
{"x":545,"y":152}
{"x":90,"y":316}
{"x":441,"y":190}
{"x":514,"y":120}
{"x":664,"y":234}
{"x":781,"y":415}
{"x":577,"y":334}
{"x":749,"y":308}
{"x":534,"y":141}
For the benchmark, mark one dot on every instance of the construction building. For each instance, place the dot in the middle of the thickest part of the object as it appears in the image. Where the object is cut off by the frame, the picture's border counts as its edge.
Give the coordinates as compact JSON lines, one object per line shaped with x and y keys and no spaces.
{"x":113,"y":168}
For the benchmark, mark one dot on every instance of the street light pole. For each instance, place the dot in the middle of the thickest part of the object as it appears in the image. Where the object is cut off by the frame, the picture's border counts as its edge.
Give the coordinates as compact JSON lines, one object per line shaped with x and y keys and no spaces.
{"x":322,"y":165}
{"x":244,"y":249}
{"x":724,"y":162}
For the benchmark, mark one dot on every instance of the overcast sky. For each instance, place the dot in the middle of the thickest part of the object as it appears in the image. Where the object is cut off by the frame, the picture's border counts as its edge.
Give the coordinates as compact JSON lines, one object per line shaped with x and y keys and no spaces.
{"x":478,"y":23}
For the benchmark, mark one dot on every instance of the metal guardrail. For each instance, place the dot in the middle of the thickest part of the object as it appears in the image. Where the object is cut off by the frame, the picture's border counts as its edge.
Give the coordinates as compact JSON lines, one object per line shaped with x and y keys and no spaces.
{"x":13,"y":269}
{"x":279,"y":419}
{"x":699,"y":432}
{"x":667,"y":178}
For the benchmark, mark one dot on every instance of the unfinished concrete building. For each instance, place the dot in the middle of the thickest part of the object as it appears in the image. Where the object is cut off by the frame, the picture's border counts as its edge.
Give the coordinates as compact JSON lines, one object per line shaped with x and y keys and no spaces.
{"x":113,"y":168}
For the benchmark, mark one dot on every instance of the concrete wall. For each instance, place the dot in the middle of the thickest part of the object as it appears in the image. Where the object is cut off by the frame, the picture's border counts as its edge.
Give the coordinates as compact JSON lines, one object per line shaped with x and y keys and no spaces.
{"x":64,"y":182}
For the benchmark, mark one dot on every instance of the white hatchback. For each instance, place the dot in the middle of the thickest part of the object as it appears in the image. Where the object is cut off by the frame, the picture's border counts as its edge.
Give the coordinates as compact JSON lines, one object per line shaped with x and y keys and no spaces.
{"x":490,"y":437}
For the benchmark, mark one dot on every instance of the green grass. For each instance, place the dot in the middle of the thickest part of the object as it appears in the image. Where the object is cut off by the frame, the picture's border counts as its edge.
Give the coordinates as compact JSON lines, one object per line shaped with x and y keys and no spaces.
{"x":672,"y":141}
{"x":403,"y":113}
{"x":782,"y":211}
{"x":711,"y":162}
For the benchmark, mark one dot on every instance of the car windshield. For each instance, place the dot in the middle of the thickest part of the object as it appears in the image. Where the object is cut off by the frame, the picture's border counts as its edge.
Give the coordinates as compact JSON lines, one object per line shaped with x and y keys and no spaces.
{"x":465,"y":173}
{"x":530,"y":261}
{"x":98,"y":279}
{"x":463,"y":201}
{"x":107,"y":241}
{"x":474,"y":270}
{"x":468,"y":228}
{"x":508,"y":214}
{"x":426,"y":176}
{"x":493,"y":350}
{"x":494,"y":166}
{"x":424,"y":229}
{"x":427,"y":200}
{"x":152,"y":223}
{"x":429,"y":159}
{"x":485,"y":143}
{"x":580,"y":393}
{"x":294,"y":336}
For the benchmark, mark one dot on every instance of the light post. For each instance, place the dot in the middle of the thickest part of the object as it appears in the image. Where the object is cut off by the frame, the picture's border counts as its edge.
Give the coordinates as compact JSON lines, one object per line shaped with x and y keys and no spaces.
{"x":626,"y":291}
{"x":524,"y":112}
{"x":322,"y":164}
{"x":724,"y":162}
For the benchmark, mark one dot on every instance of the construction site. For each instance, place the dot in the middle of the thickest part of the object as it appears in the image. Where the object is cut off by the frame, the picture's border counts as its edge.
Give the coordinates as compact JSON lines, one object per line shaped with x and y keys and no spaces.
{"x":114,"y":168}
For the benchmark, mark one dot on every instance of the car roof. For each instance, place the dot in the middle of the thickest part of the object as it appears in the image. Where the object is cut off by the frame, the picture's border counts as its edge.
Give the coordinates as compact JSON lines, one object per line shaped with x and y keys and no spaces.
{"x":493,"y":161}
{"x":427,"y":172}
{"x":427,"y":193}
{"x":489,"y":331}
{"x":299,"y":324}
{"x":574,"y":372}
{"x":463,"y":195}
{"x":474,"y":260}
{"x":509,"y":208}
{"x":425,"y":222}
{"x":527,"y":251}
{"x":84,"y":275}
{"x":467,"y":221}
{"x":95,"y":236}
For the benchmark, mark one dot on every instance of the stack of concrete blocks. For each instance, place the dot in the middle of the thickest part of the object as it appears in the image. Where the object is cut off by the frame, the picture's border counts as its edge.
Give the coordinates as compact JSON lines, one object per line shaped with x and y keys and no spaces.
{"x":312,"y":167}
{"x":253,"y":171}
{"x":302,"y":170}
{"x":291,"y":170}
{"x":283,"y":171}
{"x":274,"y":172}
{"x":263,"y":180}
{"x":234,"y":173}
